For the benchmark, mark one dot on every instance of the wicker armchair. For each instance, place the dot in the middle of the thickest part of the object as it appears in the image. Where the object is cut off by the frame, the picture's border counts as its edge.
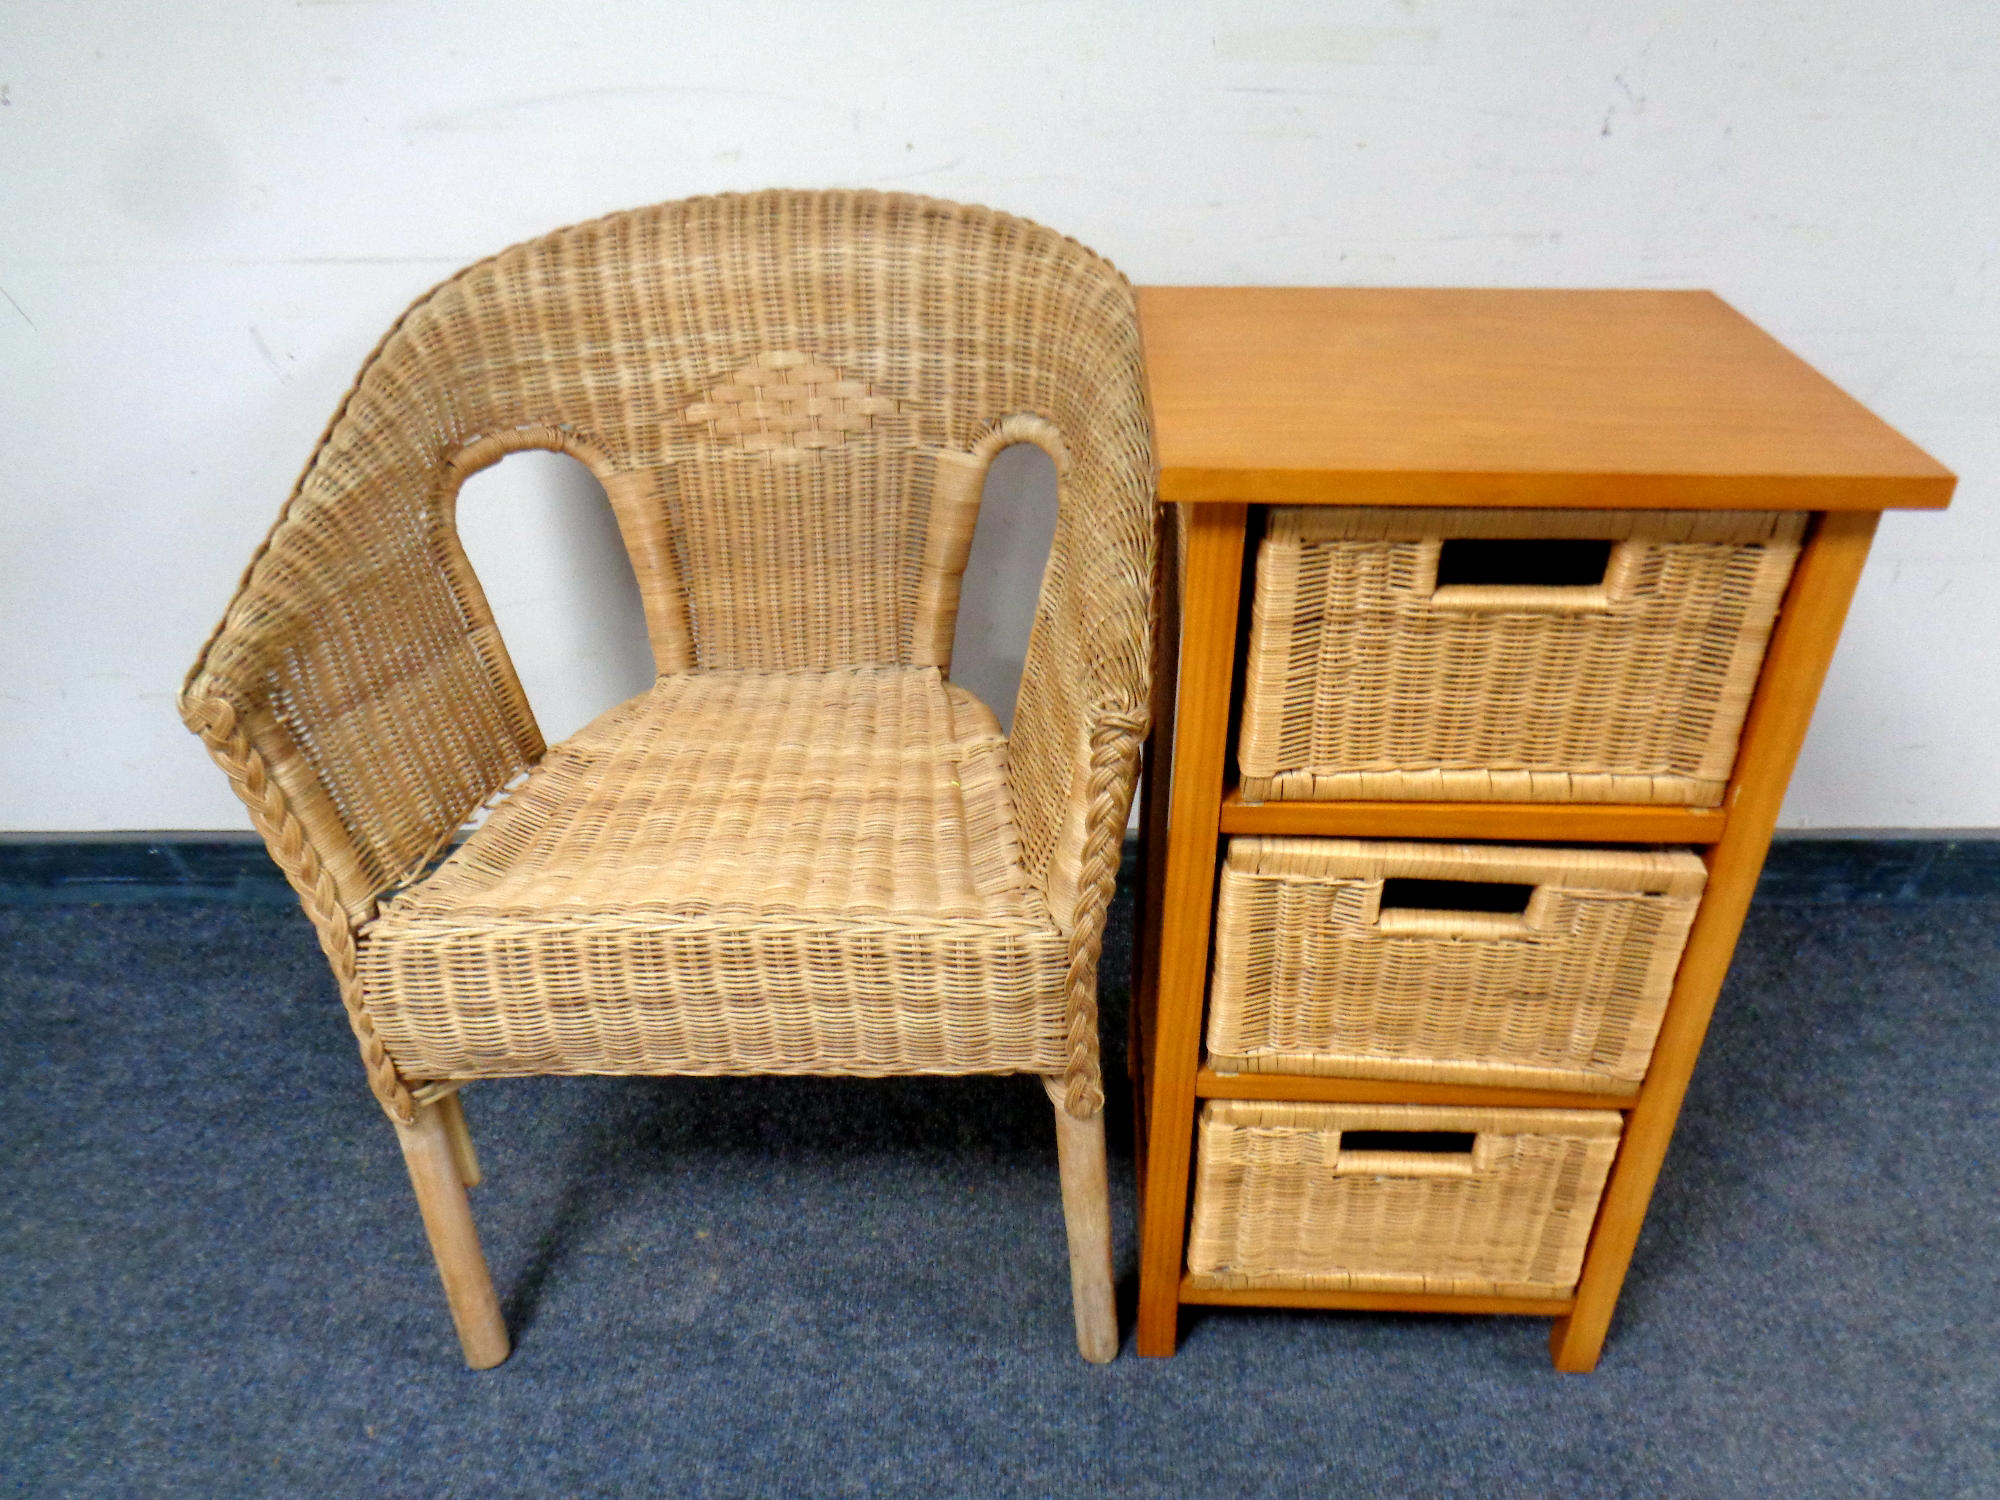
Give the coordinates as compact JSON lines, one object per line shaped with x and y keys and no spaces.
{"x":804,"y":850}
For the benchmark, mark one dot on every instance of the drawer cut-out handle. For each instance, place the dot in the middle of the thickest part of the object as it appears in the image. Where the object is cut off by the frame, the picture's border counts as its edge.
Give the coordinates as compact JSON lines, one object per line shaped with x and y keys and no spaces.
{"x":1407,"y":1153}
{"x":1410,"y":907}
{"x":1401,"y":891}
{"x":1437,"y":1142}
{"x":1550,"y":575}
{"x":1531,"y":562}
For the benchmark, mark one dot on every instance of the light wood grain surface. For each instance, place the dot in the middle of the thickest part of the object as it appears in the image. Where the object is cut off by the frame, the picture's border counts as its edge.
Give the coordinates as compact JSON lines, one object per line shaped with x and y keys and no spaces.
{"x":1214,"y":567}
{"x":437,"y":1174}
{"x":1416,"y":396}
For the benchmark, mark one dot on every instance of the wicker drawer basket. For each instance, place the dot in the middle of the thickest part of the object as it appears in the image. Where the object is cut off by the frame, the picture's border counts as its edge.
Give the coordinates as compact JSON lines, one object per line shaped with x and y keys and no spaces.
{"x":1498,"y":1202}
{"x":1508,"y":655}
{"x":1348,"y":958}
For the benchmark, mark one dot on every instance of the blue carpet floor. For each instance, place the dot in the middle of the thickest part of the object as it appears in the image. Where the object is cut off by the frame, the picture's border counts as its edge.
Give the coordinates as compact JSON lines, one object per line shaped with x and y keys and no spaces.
{"x":213,"y":1281}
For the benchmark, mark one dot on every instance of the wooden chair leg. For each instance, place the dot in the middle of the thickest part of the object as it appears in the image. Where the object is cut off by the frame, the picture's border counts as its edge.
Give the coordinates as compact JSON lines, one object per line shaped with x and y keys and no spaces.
{"x":435,"y":1174}
{"x":1086,"y":1192}
{"x":461,"y":1141}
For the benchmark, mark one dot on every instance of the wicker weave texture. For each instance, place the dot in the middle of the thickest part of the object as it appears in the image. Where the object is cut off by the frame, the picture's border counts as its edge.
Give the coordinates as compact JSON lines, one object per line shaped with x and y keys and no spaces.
{"x":737,"y":873}
{"x":1314,"y":976}
{"x":1366,"y":679}
{"x":790,"y":398}
{"x":1278,"y":1203}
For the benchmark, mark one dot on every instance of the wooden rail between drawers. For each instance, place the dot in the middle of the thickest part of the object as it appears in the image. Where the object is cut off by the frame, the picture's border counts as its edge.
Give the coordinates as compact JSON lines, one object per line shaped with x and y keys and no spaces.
{"x":1312,"y":1089}
{"x":1539,"y":822}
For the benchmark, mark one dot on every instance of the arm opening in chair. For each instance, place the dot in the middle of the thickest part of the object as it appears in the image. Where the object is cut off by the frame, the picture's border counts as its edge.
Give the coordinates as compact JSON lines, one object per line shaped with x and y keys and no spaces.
{"x":361,"y":662}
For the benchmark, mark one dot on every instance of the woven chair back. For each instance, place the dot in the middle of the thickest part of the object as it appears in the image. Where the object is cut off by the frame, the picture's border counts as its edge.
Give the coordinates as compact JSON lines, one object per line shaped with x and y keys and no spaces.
{"x":785,"y":394}
{"x":791,"y":398}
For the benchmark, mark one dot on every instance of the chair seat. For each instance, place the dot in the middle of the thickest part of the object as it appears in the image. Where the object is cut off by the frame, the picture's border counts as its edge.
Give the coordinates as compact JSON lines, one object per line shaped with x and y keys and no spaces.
{"x":810,"y":872}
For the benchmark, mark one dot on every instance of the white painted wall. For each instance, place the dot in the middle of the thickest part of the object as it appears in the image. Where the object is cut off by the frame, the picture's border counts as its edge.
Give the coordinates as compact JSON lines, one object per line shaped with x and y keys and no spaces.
{"x":209,"y":212}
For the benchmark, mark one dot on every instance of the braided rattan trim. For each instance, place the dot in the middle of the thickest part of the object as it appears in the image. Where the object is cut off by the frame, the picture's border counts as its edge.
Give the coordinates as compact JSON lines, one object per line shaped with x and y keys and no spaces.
{"x":1277,"y":1205}
{"x":1311,"y":977}
{"x":1114,"y":764}
{"x":1365,"y":680}
{"x":216,"y":722}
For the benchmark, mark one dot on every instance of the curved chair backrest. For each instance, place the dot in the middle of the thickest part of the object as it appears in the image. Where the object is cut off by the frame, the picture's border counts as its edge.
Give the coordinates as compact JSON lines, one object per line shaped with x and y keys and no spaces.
{"x":790,"y":398}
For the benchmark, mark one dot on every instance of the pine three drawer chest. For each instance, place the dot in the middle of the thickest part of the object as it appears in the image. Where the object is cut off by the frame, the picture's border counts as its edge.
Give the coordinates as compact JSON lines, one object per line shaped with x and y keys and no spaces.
{"x":1491,"y":625}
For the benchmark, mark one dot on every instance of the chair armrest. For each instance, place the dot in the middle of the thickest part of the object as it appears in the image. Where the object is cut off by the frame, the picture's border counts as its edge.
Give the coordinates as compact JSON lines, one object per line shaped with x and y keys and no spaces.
{"x":1083,"y":712}
{"x":360,"y":701}
{"x":357,"y":692}
{"x":360,"y":663}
